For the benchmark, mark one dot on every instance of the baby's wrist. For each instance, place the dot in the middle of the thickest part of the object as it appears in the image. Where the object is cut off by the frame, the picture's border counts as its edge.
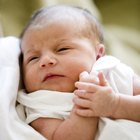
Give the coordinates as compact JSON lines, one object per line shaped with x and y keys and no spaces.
{"x":115,"y":106}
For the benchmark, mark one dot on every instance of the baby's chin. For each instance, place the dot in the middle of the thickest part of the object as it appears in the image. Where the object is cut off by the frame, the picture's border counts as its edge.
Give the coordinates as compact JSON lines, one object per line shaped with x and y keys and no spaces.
{"x":53,"y":88}
{"x":64,"y":89}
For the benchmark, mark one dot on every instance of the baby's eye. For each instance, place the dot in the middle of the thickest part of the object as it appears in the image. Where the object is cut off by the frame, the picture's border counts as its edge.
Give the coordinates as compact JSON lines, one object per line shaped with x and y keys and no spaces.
{"x":33,"y":58}
{"x":62,"y":49}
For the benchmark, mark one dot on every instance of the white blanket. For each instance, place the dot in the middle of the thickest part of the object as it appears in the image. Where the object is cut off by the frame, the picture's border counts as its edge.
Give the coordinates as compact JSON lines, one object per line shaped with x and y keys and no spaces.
{"x":13,"y":128}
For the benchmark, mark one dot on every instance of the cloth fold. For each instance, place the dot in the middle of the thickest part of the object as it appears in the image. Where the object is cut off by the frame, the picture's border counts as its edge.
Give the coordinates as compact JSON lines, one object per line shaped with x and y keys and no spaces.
{"x":45,"y":103}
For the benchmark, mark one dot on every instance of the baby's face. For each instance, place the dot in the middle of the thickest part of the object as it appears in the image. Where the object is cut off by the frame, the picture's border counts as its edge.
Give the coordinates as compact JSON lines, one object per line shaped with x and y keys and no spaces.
{"x":54,"y":56}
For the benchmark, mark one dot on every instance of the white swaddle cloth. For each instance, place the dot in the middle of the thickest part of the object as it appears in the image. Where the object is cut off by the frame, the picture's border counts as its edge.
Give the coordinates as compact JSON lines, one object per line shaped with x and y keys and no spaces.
{"x":53,"y":104}
{"x":44,"y":103}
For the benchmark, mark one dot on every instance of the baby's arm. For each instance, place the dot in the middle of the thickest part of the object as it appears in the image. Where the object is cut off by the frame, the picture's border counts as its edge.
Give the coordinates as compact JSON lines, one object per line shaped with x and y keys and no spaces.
{"x":129,"y":106}
{"x":100,"y":100}
{"x":73,"y":128}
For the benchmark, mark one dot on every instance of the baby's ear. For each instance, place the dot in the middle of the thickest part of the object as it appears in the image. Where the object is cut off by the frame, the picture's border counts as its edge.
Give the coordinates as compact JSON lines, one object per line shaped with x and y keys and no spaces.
{"x":100,"y":51}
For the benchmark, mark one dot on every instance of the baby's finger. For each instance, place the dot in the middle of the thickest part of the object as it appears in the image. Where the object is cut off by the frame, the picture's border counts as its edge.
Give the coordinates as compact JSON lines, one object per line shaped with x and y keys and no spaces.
{"x":83,"y":94}
{"x":83,"y":103}
{"x":88,"y":87}
{"x":94,"y":75}
{"x":102,"y":79}
{"x":83,"y":76}
{"x":84,"y":112}
{"x":90,"y":78}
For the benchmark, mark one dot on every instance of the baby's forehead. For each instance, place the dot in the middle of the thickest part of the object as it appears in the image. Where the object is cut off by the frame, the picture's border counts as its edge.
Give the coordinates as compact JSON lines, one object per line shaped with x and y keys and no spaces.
{"x":61,"y":15}
{"x":79,"y":19}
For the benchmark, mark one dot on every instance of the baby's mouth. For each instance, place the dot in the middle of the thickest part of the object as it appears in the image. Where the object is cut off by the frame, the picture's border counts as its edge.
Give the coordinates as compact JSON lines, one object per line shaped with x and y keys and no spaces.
{"x":51,"y":76}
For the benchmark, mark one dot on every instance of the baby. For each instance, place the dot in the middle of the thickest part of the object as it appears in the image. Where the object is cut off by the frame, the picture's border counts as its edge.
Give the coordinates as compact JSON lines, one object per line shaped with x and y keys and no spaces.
{"x":62,"y":53}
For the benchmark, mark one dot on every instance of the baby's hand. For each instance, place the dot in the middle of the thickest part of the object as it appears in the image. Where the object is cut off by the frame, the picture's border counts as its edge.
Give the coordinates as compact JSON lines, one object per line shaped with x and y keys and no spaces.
{"x":95,"y":99}
{"x":90,"y":78}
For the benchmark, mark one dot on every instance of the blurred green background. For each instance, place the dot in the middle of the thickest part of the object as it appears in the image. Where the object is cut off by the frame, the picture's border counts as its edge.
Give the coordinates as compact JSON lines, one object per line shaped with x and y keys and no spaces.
{"x":120,"y":19}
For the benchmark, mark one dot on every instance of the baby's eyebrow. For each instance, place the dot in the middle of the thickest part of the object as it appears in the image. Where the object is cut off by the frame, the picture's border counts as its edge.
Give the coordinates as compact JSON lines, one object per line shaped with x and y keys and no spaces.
{"x":29,"y":51}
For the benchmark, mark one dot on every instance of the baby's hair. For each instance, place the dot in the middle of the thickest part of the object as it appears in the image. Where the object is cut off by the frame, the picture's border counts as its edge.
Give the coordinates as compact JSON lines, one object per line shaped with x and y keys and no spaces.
{"x":46,"y":14}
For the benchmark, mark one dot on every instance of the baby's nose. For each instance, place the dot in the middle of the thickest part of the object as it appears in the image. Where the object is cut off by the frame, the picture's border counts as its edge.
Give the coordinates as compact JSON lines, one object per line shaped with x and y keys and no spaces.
{"x":47,"y":61}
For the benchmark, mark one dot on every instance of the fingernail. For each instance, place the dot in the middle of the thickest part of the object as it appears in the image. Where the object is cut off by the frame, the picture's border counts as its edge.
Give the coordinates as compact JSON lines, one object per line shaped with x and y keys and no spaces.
{"x":84,"y":74}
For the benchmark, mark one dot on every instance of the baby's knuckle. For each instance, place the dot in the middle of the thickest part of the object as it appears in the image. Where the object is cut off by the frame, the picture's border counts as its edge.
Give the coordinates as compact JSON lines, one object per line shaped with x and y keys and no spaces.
{"x":90,"y":86}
